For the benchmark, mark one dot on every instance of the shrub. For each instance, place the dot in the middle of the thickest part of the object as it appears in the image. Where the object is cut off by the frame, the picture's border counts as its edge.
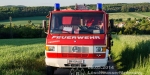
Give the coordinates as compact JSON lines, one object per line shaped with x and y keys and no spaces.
{"x":26,"y":31}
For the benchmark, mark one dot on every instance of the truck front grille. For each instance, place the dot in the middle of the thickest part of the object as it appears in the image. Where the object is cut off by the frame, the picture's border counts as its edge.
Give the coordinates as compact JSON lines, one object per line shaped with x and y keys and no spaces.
{"x":69,"y":49}
{"x":69,"y":52}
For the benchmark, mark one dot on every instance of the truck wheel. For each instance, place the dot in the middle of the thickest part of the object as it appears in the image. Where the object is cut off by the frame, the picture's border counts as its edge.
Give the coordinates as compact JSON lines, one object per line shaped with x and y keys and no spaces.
{"x":49,"y":70}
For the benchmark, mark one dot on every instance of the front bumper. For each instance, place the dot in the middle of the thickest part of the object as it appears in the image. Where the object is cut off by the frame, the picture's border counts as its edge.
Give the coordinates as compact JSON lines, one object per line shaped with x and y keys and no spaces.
{"x":61,"y":62}
{"x":55,"y":62}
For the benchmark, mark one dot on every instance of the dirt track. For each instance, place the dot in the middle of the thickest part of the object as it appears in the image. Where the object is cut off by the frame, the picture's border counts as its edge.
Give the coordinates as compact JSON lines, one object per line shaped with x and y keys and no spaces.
{"x":112,"y":71}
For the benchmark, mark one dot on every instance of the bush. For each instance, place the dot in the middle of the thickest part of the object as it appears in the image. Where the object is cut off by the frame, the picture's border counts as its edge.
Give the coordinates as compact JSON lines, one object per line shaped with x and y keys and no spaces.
{"x":128,"y":19}
{"x":26,"y":31}
{"x":120,"y":19}
{"x":120,"y":33}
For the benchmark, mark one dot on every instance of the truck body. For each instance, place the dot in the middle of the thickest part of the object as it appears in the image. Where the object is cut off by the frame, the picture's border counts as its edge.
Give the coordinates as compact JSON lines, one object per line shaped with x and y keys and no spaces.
{"x":77,"y":37}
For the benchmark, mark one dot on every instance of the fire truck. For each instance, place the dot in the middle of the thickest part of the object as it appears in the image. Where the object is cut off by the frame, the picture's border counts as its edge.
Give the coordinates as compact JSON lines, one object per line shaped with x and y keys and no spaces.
{"x":77,"y":36}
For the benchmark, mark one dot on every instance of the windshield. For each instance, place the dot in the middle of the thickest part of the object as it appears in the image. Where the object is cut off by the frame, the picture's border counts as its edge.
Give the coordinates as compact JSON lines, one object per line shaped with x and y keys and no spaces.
{"x":77,"y":23}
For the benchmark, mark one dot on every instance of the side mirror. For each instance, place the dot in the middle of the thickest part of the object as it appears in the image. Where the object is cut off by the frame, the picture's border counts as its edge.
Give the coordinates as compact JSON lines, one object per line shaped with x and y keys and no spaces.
{"x":111,"y":23}
{"x":44,"y":26}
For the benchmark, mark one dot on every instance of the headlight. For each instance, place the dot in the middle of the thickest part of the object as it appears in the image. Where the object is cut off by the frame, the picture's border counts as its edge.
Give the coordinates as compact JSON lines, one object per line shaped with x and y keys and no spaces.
{"x":99,"y":49}
{"x":50,"y":48}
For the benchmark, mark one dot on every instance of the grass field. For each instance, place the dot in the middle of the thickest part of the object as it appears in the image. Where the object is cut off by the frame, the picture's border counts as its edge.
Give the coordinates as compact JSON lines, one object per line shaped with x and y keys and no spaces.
{"x":131,"y":15}
{"x":38,"y":20}
{"x":22,"y":57}
{"x":26,"y":56}
{"x":132,"y":53}
{"x":145,"y":13}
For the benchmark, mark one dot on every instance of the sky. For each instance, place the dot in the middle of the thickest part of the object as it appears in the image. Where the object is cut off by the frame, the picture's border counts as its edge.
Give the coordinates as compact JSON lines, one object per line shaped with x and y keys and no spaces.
{"x":63,"y":2}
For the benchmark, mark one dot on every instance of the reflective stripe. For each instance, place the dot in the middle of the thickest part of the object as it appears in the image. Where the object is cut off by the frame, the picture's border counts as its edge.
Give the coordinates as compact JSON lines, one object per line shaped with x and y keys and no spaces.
{"x":76,"y":55}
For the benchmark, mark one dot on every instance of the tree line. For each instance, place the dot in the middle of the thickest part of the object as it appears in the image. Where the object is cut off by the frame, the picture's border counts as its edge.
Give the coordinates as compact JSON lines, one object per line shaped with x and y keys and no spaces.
{"x":15,"y":12}
{"x":23,"y":11}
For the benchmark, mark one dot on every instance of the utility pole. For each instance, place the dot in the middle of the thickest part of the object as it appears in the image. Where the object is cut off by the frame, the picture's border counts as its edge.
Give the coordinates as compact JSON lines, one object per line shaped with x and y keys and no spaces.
{"x":10,"y":19}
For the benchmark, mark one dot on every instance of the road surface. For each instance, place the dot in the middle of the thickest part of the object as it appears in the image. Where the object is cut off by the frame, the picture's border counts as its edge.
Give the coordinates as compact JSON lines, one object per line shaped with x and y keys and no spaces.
{"x":61,"y":71}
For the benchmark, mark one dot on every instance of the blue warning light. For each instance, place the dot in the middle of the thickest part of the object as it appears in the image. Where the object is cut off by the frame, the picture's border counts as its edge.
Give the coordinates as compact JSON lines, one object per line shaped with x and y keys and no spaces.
{"x":99,"y":6}
{"x":57,"y":6}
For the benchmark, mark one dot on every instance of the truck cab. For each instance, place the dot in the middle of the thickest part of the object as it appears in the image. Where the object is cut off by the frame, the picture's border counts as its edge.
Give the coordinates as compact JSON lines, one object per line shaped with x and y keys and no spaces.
{"x":77,"y":37}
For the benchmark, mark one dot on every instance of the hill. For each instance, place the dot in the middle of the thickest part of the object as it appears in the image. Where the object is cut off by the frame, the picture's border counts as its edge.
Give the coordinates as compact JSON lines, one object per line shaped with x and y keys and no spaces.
{"x":14,"y":6}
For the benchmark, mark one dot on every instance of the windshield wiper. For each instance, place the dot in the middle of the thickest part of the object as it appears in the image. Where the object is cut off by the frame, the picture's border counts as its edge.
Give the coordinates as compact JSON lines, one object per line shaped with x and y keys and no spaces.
{"x":83,"y":27}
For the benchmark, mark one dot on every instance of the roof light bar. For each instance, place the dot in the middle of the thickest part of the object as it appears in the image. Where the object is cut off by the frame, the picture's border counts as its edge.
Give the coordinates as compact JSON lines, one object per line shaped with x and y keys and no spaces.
{"x":99,"y":6}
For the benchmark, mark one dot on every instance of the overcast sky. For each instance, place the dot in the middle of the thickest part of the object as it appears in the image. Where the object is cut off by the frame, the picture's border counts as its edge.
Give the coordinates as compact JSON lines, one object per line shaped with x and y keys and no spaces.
{"x":63,"y":2}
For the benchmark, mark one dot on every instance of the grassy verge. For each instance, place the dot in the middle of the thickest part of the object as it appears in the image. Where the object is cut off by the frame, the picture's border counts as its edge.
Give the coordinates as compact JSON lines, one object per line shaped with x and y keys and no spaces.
{"x":22,"y":57}
{"x":132,"y":53}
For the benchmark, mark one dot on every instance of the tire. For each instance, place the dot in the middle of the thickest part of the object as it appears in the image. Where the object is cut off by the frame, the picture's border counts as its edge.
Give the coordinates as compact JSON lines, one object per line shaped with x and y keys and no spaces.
{"x":49,"y":70}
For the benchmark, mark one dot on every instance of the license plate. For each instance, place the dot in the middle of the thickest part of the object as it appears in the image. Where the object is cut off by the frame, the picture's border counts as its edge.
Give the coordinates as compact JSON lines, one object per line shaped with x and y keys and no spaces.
{"x":75,"y":61}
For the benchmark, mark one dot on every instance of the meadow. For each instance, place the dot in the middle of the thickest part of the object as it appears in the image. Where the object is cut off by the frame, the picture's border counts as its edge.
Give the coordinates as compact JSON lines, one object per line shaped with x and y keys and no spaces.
{"x":38,"y":19}
{"x":22,"y":56}
{"x":131,"y":15}
{"x":132,"y":53}
{"x":26,"y":56}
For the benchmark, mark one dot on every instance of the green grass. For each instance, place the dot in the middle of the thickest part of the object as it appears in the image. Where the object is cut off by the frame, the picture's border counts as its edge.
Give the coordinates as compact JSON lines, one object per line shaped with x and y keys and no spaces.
{"x":131,"y":15}
{"x":145,"y":13}
{"x":22,"y":56}
{"x":124,"y":16}
{"x":132,"y":53}
{"x":36,"y":20}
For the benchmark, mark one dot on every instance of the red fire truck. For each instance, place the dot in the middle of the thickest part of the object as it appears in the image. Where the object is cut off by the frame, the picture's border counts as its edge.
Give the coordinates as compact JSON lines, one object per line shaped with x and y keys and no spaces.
{"x":77,"y":37}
